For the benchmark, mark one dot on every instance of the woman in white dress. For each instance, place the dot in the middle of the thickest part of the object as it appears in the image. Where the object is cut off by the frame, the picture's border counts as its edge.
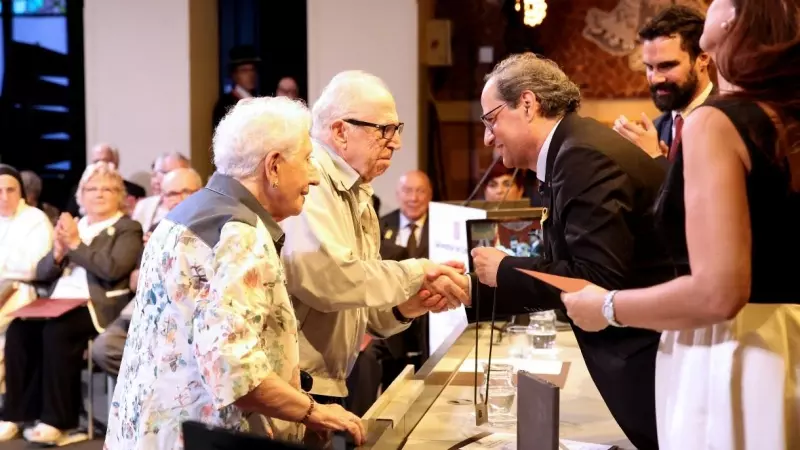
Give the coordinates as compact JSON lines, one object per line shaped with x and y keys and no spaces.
{"x":729,"y":360}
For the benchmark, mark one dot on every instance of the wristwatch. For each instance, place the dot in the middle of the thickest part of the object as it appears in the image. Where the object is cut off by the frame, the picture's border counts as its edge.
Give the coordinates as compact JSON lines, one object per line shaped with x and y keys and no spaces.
{"x":608,"y":310}
{"x":400,"y":317}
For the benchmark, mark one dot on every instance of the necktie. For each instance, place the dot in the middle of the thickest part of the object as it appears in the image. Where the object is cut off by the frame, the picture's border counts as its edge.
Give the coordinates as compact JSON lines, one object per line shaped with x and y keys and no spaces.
{"x":676,"y":141}
{"x":411,"y":244}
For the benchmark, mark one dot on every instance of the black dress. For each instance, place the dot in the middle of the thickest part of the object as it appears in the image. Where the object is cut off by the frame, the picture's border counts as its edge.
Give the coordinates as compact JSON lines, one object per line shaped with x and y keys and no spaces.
{"x":733,"y":384}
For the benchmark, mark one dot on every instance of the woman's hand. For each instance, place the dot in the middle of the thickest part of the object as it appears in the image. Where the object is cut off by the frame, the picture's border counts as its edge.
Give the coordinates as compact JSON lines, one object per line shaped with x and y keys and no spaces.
{"x":67,"y":231}
{"x":585,"y":307}
{"x":335,"y":418}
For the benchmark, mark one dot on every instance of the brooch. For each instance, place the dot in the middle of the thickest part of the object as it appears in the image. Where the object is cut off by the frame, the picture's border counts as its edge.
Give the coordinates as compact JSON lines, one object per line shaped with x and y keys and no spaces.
{"x":388,"y":234}
{"x":110,"y":231}
{"x":545,"y":215}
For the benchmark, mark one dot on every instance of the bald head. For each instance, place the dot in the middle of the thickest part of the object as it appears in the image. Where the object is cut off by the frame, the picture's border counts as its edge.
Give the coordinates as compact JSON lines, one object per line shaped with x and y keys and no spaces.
{"x":179,"y":184}
{"x":287,"y":87}
{"x":414,"y":193}
{"x":106,"y":153}
{"x":165,"y":164}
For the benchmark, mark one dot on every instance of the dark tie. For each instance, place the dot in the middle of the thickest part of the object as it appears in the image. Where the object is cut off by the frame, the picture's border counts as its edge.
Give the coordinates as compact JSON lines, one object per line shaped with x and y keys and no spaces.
{"x":411,"y":244}
{"x":674,"y":149}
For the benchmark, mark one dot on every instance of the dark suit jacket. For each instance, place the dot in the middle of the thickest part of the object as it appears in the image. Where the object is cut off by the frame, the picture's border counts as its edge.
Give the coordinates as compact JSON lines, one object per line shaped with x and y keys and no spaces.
{"x":599,"y":190}
{"x":415,"y":338}
{"x":109,"y":262}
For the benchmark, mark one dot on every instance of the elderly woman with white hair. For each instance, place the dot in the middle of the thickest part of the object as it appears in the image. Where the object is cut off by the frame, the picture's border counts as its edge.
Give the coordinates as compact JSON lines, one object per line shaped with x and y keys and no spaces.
{"x":213,"y":335}
{"x":92,"y":259}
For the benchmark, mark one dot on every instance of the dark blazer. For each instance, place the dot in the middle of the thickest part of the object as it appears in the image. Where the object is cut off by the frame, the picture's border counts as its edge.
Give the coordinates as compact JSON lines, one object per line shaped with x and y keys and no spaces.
{"x":599,"y":190}
{"x":109,"y":262}
{"x":391,"y":222}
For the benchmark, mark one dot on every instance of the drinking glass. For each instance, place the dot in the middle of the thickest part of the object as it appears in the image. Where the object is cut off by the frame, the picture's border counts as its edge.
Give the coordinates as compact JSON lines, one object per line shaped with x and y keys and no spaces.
{"x":519,"y":341}
{"x":542,"y":330}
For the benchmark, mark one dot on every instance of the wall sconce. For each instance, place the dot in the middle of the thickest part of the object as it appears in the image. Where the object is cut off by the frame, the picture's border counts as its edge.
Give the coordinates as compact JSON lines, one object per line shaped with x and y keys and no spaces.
{"x":533,"y":11}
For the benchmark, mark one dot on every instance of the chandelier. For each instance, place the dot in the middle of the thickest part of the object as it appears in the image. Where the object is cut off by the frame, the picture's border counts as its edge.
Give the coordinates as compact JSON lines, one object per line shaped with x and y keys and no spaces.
{"x":533,"y":11}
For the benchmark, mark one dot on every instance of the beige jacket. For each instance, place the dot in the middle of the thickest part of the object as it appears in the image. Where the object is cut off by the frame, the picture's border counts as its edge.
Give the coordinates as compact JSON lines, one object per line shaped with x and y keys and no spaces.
{"x":339,"y":285}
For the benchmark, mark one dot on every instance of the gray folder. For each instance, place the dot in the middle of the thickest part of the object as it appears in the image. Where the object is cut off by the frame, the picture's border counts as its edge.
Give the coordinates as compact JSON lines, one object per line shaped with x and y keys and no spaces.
{"x":537,"y":413}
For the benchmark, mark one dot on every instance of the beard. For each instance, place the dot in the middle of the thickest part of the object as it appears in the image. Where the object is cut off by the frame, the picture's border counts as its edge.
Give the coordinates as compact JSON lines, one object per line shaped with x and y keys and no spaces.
{"x":678,"y":96}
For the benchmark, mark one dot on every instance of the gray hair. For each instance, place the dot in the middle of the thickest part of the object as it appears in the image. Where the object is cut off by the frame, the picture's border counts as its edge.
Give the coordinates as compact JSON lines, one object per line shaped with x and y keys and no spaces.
{"x":175,"y":155}
{"x":555,"y":92}
{"x":102,"y":169}
{"x":255,"y":127}
{"x":342,"y":97}
{"x":31,"y":183}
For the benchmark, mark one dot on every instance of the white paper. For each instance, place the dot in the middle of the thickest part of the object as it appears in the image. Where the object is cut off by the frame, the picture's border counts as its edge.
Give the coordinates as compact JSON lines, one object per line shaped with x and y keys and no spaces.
{"x":447,"y":241}
{"x":566,"y":444}
{"x":496,"y":441}
{"x":535,"y":366}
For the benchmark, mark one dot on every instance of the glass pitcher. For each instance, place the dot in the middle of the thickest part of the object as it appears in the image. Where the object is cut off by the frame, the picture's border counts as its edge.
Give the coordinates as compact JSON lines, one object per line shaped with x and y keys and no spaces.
{"x":502,"y":393}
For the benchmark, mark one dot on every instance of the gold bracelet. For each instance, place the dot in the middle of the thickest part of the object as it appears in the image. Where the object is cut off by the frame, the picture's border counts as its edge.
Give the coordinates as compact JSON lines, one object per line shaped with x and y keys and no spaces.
{"x":311,"y":407}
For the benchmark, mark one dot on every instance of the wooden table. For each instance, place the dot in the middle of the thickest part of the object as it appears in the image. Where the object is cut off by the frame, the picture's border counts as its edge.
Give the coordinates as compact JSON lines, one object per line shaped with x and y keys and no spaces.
{"x":450,"y":419}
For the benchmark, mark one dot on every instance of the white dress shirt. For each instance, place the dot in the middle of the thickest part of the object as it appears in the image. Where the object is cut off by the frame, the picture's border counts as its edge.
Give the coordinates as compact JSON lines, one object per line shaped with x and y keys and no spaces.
{"x":541,"y":162}
{"x":694,"y":104}
{"x":404,"y":231}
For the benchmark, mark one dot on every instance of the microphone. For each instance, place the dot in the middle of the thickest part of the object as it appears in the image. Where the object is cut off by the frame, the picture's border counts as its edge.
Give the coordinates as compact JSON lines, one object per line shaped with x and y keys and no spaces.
{"x":483,"y":180}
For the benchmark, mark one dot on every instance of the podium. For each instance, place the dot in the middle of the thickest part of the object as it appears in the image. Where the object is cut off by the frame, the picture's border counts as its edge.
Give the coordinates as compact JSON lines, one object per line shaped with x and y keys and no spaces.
{"x":454,"y":230}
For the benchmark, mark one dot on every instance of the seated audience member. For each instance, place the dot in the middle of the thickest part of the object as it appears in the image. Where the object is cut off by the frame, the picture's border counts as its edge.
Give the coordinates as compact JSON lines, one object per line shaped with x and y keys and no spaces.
{"x":150,"y":210}
{"x":108,"y":346}
{"x":110,"y":155}
{"x":213,"y":336}
{"x":287,"y":87}
{"x":26,"y":235}
{"x":91,"y":258}
{"x":502,"y":180}
{"x":32,"y":185}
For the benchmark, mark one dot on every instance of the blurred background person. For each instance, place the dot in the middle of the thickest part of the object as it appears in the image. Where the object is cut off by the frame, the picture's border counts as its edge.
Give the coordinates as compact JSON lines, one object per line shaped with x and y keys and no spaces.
{"x":502,"y":180}
{"x":26,"y":235}
{"x":91,"y":258}
{"x":243,"y":63}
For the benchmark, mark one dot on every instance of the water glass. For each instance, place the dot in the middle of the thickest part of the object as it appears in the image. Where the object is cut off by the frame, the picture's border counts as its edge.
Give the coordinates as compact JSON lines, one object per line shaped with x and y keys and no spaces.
{"x":502,"y":393}
{"x":519,"y":341}
{"x":542,"y":330}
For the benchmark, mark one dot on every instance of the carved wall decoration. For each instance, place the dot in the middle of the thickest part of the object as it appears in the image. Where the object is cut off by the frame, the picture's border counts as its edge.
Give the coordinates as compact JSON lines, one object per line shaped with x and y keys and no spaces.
{"x":615,"y":31}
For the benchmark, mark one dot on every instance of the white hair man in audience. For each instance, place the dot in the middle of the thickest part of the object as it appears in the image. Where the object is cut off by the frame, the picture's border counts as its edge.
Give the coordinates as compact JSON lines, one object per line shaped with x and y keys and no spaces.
{"x":109,"y":154}
{"x":339,"y":284}
{"x":107,"y":350}
{"x":149,"y":211}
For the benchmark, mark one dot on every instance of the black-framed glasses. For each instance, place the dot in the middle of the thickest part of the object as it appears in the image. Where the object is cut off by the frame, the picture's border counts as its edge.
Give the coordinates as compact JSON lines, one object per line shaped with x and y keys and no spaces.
{"x":488,"y":122}
{"x":387,"y":131}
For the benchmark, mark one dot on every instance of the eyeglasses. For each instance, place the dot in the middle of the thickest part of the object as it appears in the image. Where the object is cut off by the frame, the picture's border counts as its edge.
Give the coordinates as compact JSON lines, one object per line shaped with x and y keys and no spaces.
{"x":489,"y":122}
{"x":387,"y":131}
{"x":94,"y":190}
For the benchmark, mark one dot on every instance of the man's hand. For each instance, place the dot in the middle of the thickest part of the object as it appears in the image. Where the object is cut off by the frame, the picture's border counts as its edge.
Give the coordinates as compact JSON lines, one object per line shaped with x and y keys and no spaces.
{"x":645,"y":137}
{"x":487,"y":261}
{"x":421,"y":303}
{"x":448,"y":282}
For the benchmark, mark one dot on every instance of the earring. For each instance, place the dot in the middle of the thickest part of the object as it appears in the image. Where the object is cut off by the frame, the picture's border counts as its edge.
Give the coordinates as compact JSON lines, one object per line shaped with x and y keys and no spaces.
{"x":725,"y":25}
{"x":274,"y":185}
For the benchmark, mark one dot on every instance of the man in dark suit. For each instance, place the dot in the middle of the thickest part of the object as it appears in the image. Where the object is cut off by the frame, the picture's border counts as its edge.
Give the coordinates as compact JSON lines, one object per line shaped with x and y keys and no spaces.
{"x":598,"y":189}
{"x":243,"y":69}
{"x":678,"y":75}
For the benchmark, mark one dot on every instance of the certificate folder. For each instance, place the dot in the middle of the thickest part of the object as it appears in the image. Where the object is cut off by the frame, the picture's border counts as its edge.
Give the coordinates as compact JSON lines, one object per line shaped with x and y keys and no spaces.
{"x":537,"y":413}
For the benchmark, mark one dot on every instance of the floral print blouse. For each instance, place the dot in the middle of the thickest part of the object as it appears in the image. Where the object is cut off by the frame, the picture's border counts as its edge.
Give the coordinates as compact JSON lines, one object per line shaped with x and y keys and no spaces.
{"x":209,"y":324}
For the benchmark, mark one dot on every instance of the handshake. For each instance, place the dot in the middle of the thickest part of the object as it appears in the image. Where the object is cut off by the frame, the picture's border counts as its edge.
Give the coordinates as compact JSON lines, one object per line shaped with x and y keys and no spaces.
{"x":445,"y":287}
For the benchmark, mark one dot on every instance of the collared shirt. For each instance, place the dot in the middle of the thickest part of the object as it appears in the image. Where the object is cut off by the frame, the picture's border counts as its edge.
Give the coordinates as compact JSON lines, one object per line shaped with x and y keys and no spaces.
{"x":211,"y":320}
{"x":541,"y":162}
{"x":699,"y":100}
{"x":404,"y":231}
{"x":340,"y":287}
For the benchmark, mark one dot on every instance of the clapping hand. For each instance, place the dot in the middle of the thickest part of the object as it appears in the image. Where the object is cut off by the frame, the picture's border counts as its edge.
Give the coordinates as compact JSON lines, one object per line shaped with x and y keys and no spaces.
{"x":67,"y":231}
{"x":645,"y":137}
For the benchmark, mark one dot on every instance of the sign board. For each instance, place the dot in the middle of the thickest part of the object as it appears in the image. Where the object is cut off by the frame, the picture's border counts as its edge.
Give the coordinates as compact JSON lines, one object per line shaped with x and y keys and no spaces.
{"x":447,"y":241}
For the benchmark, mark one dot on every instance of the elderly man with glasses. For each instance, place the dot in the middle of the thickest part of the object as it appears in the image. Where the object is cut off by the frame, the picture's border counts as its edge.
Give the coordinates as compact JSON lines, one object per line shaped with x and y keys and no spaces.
{"x":340,"y":287}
